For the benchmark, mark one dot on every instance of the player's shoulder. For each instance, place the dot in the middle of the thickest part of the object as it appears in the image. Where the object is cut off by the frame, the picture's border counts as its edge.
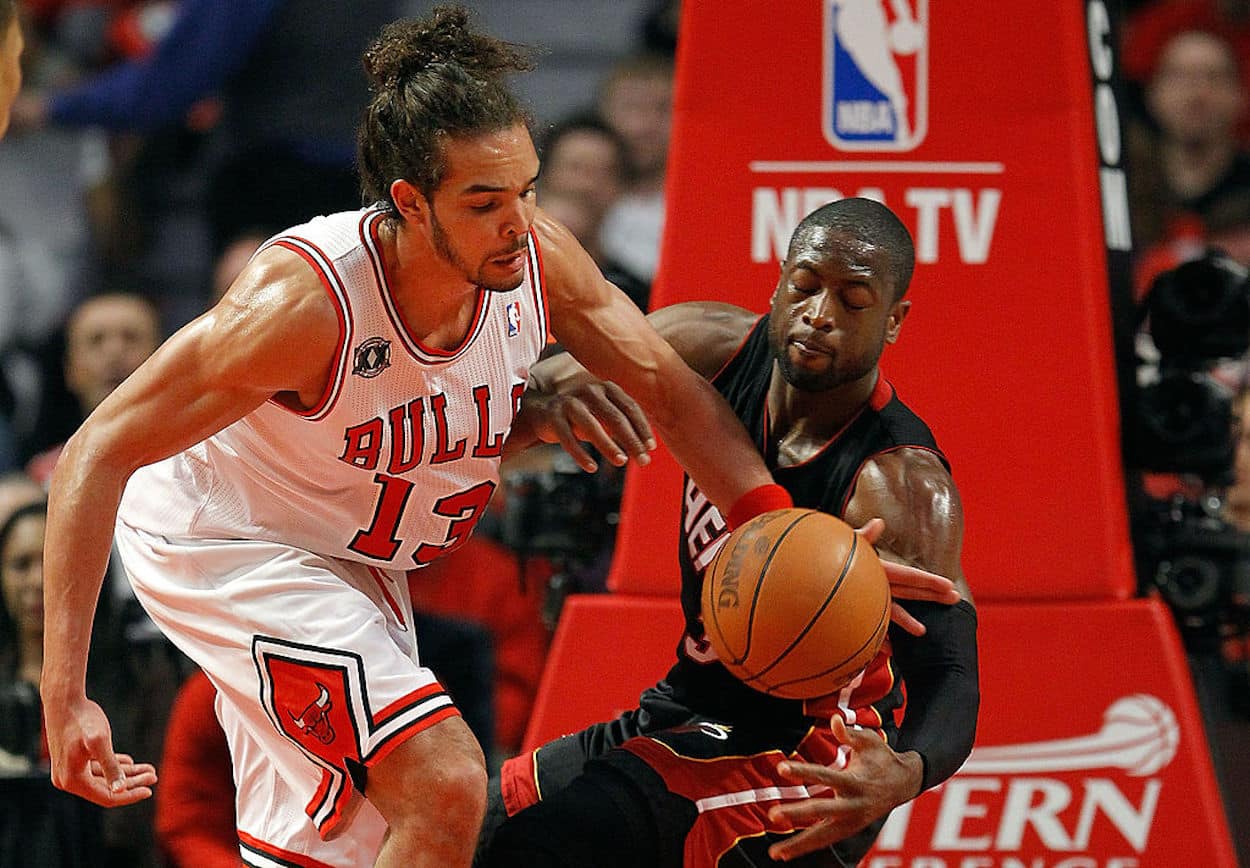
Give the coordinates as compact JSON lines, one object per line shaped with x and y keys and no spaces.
{"x":281,"y":289}
{"x":913,"y":475}
{"x":706,"y":334}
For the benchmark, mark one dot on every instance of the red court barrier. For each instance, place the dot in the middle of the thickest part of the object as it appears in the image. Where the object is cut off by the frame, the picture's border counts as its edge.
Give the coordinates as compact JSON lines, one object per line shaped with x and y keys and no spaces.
{"x":1000,"y":177}
{"x":1089,"y":754}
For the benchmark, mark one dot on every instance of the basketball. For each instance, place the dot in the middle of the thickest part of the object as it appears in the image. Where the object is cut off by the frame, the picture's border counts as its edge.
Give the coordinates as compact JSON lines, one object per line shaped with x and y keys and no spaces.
{"x":795,"y":604}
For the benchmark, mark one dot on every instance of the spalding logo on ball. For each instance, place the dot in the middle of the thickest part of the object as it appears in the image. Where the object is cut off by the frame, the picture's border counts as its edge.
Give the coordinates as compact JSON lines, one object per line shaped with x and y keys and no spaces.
{"x":795,"y":604}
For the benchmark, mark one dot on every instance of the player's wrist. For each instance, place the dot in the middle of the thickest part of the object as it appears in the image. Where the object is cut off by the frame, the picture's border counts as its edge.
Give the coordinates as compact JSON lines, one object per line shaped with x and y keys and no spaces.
{"x":757,"y":501}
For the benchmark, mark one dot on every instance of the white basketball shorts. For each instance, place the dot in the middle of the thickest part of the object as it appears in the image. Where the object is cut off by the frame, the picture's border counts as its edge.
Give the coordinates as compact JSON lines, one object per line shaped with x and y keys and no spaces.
{"x":317,"y":675}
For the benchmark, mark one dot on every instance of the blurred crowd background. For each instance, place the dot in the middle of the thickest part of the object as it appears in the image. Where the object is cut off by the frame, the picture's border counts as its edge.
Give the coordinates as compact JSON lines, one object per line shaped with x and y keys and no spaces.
{"x":158,"y":143}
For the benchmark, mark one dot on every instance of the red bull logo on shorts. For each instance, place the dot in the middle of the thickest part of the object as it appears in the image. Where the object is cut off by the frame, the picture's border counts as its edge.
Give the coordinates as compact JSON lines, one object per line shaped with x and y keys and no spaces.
{"x":876,"y":65}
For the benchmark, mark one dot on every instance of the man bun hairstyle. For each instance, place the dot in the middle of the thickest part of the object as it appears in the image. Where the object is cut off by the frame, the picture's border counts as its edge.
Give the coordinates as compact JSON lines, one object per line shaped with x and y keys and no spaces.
{"x":432,"y":79}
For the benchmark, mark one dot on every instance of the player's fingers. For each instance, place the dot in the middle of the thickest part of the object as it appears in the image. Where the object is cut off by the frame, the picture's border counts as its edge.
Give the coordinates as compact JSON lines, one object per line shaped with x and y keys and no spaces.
{"x":135,"y":773}
{"x":912,"y":583}
{"x":808,"y":841}
{"x":100,"y":749}
{"x":637,"y":418}
{"x":812,"y":774}
{"x":806,"y":813}
{"x":872,"y":531}
{"x":906,"y":620}
{"x":568,"y":441}
{"x":588,"y":426}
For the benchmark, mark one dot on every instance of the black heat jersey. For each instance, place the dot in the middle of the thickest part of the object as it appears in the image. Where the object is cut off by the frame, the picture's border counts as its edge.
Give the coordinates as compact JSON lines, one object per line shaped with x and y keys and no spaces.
{"x":825,"y":482}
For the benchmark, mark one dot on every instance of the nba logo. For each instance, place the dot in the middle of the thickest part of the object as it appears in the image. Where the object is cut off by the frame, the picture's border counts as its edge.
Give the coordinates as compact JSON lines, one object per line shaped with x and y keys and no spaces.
{"x":514,"y":319}
{"x":876,"y":71}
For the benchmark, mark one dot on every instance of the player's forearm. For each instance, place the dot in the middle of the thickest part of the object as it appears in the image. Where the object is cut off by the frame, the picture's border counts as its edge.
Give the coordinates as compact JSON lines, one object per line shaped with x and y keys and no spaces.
{"x":82,"y":506}
{"x":708,"y":440}
{"x":940,"y":670}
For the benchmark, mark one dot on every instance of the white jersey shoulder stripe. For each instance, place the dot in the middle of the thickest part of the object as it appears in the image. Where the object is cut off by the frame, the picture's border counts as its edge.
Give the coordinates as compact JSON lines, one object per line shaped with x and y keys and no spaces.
{"x":420,"y":352}
{"x":538,"y":286}
{"x":324,"y":269}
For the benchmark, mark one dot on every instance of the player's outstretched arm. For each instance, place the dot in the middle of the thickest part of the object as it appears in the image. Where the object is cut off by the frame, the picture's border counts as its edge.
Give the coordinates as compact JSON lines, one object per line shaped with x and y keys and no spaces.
{"x":252,"y":346}
{"x":564,"y":403}
{"x":603,"y":329}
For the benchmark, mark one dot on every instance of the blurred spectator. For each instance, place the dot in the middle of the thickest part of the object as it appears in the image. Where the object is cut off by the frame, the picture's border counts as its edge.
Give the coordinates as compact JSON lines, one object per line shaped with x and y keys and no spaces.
{"x":636,"y":99}
{"x":195,"y":818}
{"x":39,"y":825}
{"x":106,"y":338}
{"x":17,"y":490}
{"x":586,"y":169}
{"x":1237,"y":497}
{"x":1148,"y":30}
{"x":286,"y":90}
{"x":135,"y":671}
{"x":234,"y":257}
{"x":1191,"y":178}
{"x":483,"y":582}
{"x":11,"y":45}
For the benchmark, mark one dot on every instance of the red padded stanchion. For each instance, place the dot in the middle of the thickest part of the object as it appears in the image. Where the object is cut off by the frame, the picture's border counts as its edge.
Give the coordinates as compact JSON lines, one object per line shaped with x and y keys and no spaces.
{"x":997,"y":172}
{"x":1090,"y":752}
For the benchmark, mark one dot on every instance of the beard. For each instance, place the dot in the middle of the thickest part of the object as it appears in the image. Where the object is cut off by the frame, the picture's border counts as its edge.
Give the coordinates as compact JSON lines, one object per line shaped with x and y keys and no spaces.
{"x":838,"y":372}
{"x":449,"y":254}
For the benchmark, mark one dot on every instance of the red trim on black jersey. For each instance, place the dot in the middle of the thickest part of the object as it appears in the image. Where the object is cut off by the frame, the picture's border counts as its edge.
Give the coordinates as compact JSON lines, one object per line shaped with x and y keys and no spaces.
{"x":342,"y":309}
{"x":274,"y":854}
{"x":823,"y":449}
{"x":882,"y":392}
{"x":746,"y":337}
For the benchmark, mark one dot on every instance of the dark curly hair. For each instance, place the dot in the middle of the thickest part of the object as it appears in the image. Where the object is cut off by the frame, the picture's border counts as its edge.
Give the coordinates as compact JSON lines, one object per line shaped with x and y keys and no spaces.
{"x":432,"y":79}
{"x":8,"y":11}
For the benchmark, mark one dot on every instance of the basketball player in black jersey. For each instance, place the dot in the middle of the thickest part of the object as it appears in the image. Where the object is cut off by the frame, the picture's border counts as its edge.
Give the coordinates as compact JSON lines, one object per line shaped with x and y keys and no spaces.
{"x":706,"y":772}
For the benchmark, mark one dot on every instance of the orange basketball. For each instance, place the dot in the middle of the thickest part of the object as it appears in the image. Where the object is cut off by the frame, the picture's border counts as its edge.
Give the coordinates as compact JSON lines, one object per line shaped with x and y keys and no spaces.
{"x":795,"y":603}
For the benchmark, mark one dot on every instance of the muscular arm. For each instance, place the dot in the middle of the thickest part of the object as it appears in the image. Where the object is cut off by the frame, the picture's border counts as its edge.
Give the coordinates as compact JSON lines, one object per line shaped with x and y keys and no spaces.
{"x":914,"y":493}
{"x":250,"y":347}
{"x":565,"y":403}
{"x":605,"y":332}
{"x":924,"y":524}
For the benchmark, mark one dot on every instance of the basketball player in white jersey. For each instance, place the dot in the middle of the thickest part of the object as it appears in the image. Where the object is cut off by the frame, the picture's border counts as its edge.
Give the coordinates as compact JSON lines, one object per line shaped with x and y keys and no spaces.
{"x":337,"y":419}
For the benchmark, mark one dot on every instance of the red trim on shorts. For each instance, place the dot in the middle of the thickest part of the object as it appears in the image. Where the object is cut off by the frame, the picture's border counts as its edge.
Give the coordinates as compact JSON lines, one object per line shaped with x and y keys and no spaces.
{"x":410,"y":699}
{"x":277,"y":853}
{"x":417,"y":726}
{"x":518,"y":782}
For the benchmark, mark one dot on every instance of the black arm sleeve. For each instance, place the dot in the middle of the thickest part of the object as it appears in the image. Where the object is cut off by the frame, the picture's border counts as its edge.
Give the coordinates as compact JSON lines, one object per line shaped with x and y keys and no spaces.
{"x":939,"y":670}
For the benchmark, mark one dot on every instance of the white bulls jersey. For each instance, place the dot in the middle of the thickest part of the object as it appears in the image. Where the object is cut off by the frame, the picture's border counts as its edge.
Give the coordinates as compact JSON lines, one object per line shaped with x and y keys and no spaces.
{"x":399,"y":458}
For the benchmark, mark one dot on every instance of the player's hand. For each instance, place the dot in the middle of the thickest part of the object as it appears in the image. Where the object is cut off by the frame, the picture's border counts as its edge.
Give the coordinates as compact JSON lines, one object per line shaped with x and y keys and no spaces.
{"x":909,"y":583}
{"x":83,"y":762}
{"x":874,"y":781}
{"x":599,"y":413}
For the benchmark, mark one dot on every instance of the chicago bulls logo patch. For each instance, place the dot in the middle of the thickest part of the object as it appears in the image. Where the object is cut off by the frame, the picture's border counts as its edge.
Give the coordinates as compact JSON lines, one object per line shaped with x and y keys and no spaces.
{"x":313,"y":708}
{"x":319,"y":700}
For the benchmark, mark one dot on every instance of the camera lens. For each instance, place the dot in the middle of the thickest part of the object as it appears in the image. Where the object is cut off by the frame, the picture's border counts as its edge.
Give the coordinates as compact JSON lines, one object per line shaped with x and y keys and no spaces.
{"x":1189,"y":583}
